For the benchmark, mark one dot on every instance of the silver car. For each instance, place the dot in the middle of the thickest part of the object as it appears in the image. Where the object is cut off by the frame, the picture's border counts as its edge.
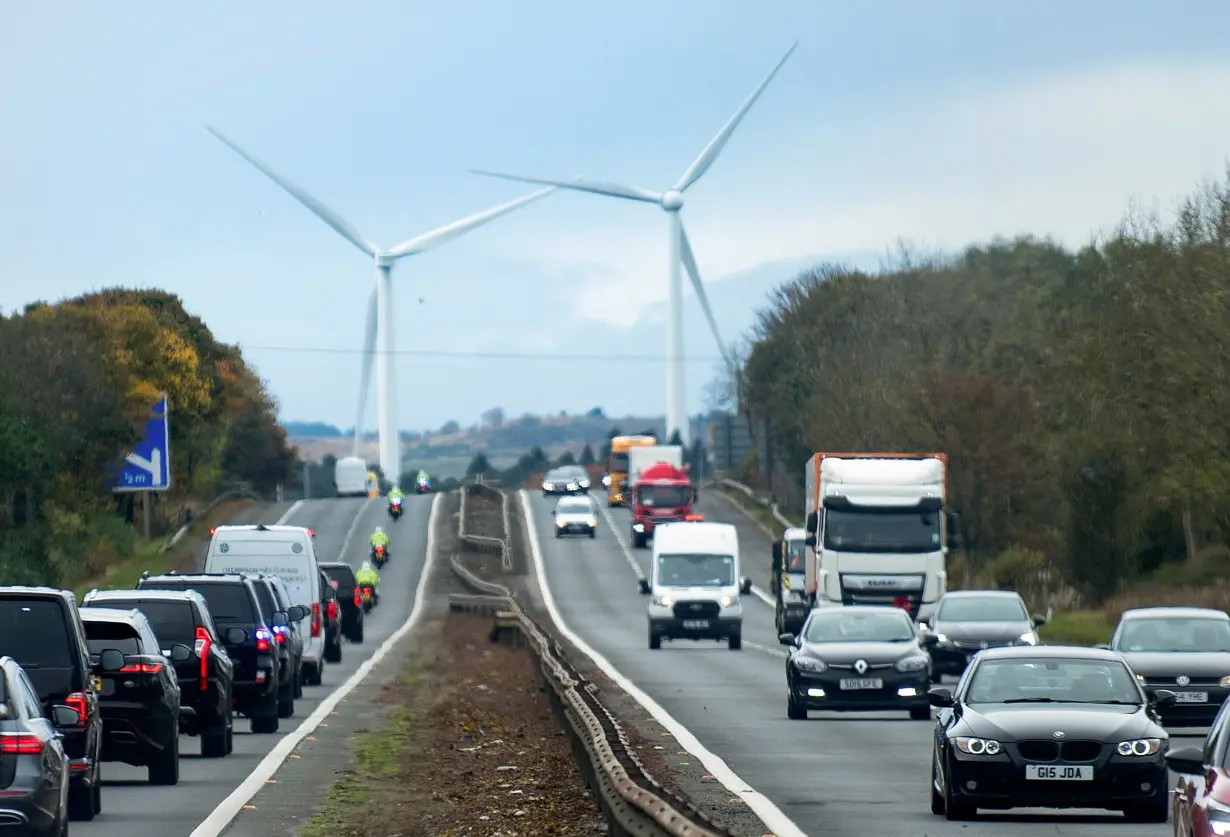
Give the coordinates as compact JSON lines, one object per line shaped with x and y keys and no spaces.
{"x":575,"y":516}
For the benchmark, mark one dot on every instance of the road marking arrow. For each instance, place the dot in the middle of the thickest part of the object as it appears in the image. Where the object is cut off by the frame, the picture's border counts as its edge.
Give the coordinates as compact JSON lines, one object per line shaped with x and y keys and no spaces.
{"x":153,"y":465}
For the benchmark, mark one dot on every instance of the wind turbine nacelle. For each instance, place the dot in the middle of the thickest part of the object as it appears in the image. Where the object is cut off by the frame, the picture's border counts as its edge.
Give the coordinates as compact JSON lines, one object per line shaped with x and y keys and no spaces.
{"x":672,"y":201}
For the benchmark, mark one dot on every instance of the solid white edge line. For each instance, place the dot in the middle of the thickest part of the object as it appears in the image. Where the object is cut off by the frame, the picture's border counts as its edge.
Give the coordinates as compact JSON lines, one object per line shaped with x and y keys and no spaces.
{"x":770,"y":814}
{"x":290,"y":512}
{"x":221,"y":818}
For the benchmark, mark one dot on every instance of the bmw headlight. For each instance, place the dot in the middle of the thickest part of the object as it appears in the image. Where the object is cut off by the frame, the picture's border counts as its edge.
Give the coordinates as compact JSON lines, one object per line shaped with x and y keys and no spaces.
{"x":912,"y":664}
{"x":809,"y":664}
{"x":664,"y":601}
{"x":1139,"y":747}
{"x":1028,"y":638}
{"x":978,"y":746}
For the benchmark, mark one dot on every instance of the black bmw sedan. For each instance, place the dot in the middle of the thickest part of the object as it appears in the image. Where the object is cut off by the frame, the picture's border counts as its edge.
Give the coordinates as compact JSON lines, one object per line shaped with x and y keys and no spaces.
{"x":860,"y":658}
{"x":968,"y":621}
{"x":1183,"y":649}
{"x":1049,"y":727}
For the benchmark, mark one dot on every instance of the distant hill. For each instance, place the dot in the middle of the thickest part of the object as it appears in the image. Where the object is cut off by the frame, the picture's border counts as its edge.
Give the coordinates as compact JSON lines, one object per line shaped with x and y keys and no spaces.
{"x":312,"y":429}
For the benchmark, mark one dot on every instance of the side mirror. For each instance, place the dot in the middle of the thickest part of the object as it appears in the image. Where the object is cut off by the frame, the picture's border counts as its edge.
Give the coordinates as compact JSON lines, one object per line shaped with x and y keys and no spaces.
{"x":745,"y":586}
{"x":64,"y":716}
{"x":280,"y":617}
{"x":940,"y":696}
{"x":553,"y":512}
{"x":111,"y":660}
{"x":810,"y":540}
{"x":297,"y":612}
{"x":928,"y":639}
{"x":180,"y":653}
{"x":954,"y":530}
{"x":1039,"y":621}
{"x":1163,"y":698}
{"x":777,"y":556}
{"x":235,"y":636}
{"x":642,"y":584}
{"x":786,"y":639}
{"x":1188,"y":761}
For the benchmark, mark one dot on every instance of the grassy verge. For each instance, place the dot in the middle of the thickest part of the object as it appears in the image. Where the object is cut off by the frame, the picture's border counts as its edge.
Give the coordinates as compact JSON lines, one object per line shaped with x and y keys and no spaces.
{"x":1078,"y":627}
{"x":753,"y":510}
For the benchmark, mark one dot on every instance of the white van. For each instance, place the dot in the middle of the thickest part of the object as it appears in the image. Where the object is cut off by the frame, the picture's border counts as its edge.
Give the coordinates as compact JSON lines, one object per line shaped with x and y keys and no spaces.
{"x":288,"y":553}
{"x":695,"y":584}
{"x":350,"y":476}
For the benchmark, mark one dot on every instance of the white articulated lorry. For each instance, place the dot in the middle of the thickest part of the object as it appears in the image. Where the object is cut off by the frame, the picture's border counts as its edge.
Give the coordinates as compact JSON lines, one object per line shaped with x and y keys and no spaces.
{"x":880,"y":530}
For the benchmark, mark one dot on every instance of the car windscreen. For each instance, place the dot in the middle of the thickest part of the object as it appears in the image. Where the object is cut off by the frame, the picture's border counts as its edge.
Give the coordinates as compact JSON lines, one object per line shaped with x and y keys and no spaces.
{"x":981,"y":609}
{"x":1171,"y":635}
{"x":344,"y":576}
{"x":229,"y":603}
{"x":1052,"y":680}
{"x":99,"y":636}
{"x":796,"y":556}
{"x":675,"y":570}
{"x":172,"y":621}
{"x":35,"y":633}
{"x":849,"y":626}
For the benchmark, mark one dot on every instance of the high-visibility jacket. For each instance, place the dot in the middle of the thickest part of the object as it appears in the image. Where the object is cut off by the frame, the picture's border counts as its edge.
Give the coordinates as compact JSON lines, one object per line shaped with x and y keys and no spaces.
{"x":396,"y":493}
{"x":380,"y":539}
{"x":367,"y":575}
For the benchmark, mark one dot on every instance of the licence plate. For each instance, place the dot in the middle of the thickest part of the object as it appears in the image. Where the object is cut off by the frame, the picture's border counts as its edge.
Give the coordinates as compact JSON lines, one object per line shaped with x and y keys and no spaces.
{"x":862,"y":684}
{"x":695,"y":624}
{"x":1060,"y":772}
{"x":1191,"y":697}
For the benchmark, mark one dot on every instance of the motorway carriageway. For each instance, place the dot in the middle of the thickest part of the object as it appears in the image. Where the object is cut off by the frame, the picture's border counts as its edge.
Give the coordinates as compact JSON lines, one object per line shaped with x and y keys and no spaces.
{"x":132,"y":808}
{"x":861,"y":774}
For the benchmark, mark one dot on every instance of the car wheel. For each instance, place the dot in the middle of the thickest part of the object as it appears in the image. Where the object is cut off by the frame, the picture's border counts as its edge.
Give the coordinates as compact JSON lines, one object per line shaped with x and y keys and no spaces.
{"x":593,"y":533}
{"x":735,"y":641}
{"x":213,"y":741}
{"x":230,"y":735}
{"x":920,"y":713}
{"x":937,"y":800}
{"x":655,"y":641}
{"x":286,"y":708}
{"x":333,"y":651}
{"x":312,"y":674}
{"x":97,"y":792}
{"x":954,"y":810}
{"x":265,"y":724}
{"x":81,"y":803}
{"x":794,"y":711}
{"x":164,"y":764}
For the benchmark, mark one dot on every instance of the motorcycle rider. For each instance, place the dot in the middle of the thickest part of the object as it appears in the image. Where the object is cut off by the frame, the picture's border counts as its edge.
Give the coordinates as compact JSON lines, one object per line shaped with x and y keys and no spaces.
{"x":396,"y":493}
{"x":367,"y":575}
{"x":380,"y":538}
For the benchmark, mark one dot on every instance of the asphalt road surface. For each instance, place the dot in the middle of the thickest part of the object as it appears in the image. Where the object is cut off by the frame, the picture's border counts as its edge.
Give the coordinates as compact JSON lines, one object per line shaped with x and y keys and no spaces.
{"x":131,"y":808}
{"x":835,"y":774}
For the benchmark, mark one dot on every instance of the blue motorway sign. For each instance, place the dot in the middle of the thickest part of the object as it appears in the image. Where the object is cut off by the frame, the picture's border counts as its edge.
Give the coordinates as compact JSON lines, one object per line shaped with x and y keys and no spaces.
{"x":148,"y":467}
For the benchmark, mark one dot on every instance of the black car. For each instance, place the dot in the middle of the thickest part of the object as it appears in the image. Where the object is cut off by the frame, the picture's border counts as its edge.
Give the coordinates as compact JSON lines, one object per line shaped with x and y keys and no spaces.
{"x":566,"y":479}
{"x":1183,"y":649}
{"x":859,"y":658}
{"x":968,"y":621}
{"x":235,"y":604}
{"x":290,"y":646}
{"x":291,"y":634}
{"x":34,"y":775}
{"x":349,"y":598}
{"x":333,"y":619}
{"x":1049,"y":727}
{"x":206,"y":680}
{"x":139,"y":698}
{"x":41,"y":630}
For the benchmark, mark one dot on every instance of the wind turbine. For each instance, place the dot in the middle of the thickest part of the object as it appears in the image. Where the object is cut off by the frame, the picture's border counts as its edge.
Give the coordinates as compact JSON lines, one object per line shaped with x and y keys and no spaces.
{"x":380,"y":306}
{"x":671,"y":201}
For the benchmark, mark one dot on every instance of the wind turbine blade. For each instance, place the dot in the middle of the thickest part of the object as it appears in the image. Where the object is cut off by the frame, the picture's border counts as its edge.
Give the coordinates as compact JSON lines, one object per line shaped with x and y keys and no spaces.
{"x":580,"y":184}
{"x":324,"y":213}
{"x":365,"y":371}
{"x":450,"y":231}
{"x":715,"y":146}
{"x":689,"y":264}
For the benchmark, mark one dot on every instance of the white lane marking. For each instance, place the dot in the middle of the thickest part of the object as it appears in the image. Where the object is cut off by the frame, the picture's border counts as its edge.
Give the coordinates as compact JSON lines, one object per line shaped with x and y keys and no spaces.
{"x":354,"y":524}
{"x":776,"y":652}
{"x":619,"y":539}
{"x":770,"y":814}
{"x":289,"y":513}
{"x":230,"y":807}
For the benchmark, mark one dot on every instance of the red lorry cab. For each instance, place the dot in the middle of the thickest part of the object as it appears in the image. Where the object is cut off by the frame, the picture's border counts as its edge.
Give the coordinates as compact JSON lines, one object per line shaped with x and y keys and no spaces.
{"x":663,"y":494}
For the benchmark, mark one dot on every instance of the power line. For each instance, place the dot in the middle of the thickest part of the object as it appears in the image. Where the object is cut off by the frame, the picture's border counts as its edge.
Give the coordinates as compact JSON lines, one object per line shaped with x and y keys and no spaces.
{"x":616,"y":358}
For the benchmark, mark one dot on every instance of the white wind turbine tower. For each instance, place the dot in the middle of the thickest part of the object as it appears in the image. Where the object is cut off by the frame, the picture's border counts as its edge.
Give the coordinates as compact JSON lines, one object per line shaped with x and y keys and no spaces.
{"x":380,"y":307}
{"x":681,"y":251}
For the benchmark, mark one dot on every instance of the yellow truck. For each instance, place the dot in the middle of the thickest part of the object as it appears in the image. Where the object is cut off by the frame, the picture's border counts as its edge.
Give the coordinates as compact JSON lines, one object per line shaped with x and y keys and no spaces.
{"x":617,"y":466}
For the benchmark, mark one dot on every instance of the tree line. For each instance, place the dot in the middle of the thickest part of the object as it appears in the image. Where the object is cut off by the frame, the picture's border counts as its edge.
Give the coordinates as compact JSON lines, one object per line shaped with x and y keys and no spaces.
{"x":1083,"y":397}
{"x":76,"y":386}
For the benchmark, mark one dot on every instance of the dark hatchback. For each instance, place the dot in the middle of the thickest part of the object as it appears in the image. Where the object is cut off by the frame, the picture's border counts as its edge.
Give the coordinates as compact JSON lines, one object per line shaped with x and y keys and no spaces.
{"x":968,"y":621}
{"x":41,"y":630}
{"x":139,"y":698}
{"x":860,"y":658}
{"x":206,"y":680}
{"x":1048,"y":727}
{"x":247,"y":632}
{"x":289,"y":642}
{"x":1183,"y":649}
{"x":34,"y":775}
{"x":349,"y":598}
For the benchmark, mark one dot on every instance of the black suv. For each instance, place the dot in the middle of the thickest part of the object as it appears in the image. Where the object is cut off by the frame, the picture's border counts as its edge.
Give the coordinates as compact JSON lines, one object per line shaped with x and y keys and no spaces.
{"x":290,"y":645}
{"x":349,"y":599}
{"x":139,"y":698}
{"x":333,"y":620}
{"x":234,"y":603}
{"x":206,"y":680}
{"x":41,"y":630}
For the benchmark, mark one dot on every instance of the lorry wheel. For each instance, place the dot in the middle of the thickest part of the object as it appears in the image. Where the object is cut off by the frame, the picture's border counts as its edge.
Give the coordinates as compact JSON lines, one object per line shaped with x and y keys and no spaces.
{"x":593,"y":533}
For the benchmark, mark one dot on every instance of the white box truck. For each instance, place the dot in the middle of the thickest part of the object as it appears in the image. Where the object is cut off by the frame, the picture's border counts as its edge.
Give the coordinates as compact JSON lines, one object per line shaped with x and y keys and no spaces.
{"x":644,"y":457}
{"x":879,"y":530}
{"x":350,"y":475}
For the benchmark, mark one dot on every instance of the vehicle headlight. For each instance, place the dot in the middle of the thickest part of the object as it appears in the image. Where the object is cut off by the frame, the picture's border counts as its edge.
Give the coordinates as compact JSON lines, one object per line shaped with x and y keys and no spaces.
{"x":606,"y":482}
{"x":810,"y":664}
{"x":549,"y":486}
{"x":638,"y":527}
{"x":1140,"y":747}
{"x":912,"y":664}
{"x":942,"y":639}
{"x":1140,"y":678}
{"x":593,"y":521}
{"x":727,"y":601}
{"x":1225,"y":682}
{"x":572,"y":486}
{"x":560,"y":523}
{"x":585,"y":483}
{"x":1028,"y":638}
{"x":978,"y":746}
{"x":664,"y":601}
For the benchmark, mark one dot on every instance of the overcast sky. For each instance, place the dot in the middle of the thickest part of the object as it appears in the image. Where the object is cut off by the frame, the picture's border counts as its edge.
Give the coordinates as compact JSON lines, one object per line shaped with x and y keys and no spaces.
{"x":939,"y":122}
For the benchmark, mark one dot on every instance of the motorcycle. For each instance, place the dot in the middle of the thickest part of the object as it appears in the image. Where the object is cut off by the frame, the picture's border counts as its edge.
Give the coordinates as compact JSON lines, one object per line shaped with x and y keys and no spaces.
{"x":395,"y":508}
{"x":367,"y":593}
{"x":422,"y":487}
{"x":380,"y":556}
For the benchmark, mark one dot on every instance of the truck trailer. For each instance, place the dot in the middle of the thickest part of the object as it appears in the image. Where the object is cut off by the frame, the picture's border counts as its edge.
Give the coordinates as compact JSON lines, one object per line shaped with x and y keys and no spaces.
{"x":660,"y":490}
